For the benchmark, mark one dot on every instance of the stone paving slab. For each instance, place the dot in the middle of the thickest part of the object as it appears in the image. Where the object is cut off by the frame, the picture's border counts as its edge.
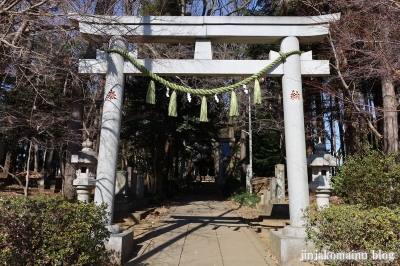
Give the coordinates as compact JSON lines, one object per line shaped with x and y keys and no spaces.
{"x":201,"y":230}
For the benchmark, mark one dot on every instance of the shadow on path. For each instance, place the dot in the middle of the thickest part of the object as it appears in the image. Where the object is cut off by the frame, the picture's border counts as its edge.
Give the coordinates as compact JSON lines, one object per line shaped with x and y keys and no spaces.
{"x":200,"y":230}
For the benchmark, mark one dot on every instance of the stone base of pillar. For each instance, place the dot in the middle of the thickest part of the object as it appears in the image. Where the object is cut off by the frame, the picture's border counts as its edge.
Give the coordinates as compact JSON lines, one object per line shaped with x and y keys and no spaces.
{"x":121,"y":247}
{"x":288,"y":250}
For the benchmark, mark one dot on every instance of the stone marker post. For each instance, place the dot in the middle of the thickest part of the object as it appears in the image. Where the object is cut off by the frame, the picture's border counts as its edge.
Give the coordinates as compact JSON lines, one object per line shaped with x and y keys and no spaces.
{"x":280,"y":183}
{"x":110,"y":128}
{"x":132,"y":181}
{"x":121,"y":187}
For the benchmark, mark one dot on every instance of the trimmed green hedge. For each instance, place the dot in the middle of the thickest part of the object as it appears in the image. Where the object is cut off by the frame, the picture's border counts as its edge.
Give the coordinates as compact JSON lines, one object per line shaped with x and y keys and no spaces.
{"x":51,"y":231}
{"x":354,"y":229}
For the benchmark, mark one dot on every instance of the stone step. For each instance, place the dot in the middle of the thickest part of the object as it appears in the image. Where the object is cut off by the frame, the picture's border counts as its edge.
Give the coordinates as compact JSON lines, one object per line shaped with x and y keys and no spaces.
{"x":133,"y":205}
{"x":131,"y":217}
{"x":269,"y":223}
{"x":275,"y":222}
{"x":275,"y":211}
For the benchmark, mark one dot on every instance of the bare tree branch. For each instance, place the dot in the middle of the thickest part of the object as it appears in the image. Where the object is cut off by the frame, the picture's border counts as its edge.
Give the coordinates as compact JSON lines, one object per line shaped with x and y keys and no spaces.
{"x":347,"y":90}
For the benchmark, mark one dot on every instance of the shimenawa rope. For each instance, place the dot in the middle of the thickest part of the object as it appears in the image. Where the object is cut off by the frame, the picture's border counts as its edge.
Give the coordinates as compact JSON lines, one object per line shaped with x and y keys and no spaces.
{"x":150,"y":97}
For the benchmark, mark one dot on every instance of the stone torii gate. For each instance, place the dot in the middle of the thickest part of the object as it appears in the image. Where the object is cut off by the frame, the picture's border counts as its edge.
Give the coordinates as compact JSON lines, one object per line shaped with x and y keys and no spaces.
{"x":203,"y":31}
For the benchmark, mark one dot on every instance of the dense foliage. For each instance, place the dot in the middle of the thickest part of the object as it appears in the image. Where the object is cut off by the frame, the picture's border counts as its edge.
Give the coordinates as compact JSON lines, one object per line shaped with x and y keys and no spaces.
{"x":353,"y":229}
{"x":266,"y":153}
{"x":51,"y":231}
{"x":369,"y":181}
{"x":369,"y":178}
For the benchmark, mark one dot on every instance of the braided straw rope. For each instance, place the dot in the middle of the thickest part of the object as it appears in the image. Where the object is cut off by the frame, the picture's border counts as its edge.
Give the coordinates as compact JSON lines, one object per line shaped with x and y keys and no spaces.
{"x":202,"y":92}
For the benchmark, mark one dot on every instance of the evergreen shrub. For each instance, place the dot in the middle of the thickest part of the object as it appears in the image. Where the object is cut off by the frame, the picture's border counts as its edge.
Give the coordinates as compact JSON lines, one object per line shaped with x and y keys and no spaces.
{"x":51,"y":231}
{"x":354,"y":229}
{"x":369,"y":178}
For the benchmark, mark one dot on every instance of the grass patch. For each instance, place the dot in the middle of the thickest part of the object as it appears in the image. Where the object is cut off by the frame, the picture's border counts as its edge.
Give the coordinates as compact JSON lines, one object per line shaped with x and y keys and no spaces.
{"x":243,"y":197}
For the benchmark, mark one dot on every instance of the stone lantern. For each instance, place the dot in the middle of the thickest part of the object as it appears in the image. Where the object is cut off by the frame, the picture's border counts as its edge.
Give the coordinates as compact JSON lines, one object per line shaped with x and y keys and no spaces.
{"x":86,"y":164}
{"x":321,"y":164}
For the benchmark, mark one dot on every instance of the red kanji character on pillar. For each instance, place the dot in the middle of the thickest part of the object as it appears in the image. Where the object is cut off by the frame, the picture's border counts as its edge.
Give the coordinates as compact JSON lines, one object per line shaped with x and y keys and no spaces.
{"x":112,"y":95}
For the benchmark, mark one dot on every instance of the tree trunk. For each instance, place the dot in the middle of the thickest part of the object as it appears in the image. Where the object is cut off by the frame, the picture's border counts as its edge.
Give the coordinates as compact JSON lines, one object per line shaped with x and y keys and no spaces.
{"x":1,"y":150}
{"x":36,"y":157}
{"x":128,"y":5}
{"x":230,"y":169}
{"x":27,"y":170}
{"x":150,"y":178}
{"x":390,"y":134}
{"x":319,"y":127}
{"x":243,"y":153}
{"x":124,"y":160}
{"x":96,"y":126}
{"x":104,"y":7}
{"x":340,"y":126}
{"x":7,"y":165}
{"x":204,"y":12}
{"x":176,"y":166}
{"x":311,"y":124}
{"x":49,"y":161}
{"x":183,"y":7}
{"x":391,"y":127}
{"x":158,"y":163}
{"x":332,"y":125}
{"x":350,"y":134}
{"x":182,"y":164}
{"x":216,"y":158}
{"x":74,"y":146}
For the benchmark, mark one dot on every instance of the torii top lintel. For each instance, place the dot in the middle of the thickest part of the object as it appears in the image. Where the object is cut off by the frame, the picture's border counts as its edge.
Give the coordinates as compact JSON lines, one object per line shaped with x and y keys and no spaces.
{"x":219,"y":29}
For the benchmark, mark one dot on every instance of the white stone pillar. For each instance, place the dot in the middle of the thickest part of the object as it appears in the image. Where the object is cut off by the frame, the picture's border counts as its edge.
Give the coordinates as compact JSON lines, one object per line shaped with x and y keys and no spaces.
{"x":294,"y":138}
{"x":110,"y":128}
